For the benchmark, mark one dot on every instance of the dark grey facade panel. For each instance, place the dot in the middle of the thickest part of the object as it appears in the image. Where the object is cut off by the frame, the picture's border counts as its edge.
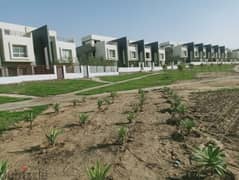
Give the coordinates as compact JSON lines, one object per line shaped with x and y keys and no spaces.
{"x":122,"y":44}
{"x":41,"y":41}
{"x":154,"y":52}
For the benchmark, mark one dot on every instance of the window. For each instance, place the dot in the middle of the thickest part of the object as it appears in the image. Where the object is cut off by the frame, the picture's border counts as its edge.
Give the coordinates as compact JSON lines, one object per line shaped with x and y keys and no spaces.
{"x":112,"y":53}
{"x":147,"y":55}
{"x":19,"y":51}
{"x":133,"y":54}
{"x":66,"y":54}
{"x":185,"y":53}
{"x":196,"y":54}
{"x":161,"y":56}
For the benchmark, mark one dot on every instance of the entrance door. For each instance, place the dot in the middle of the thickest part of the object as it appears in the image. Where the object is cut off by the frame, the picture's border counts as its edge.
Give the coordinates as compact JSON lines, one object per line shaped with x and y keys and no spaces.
{"x":60,"y":72}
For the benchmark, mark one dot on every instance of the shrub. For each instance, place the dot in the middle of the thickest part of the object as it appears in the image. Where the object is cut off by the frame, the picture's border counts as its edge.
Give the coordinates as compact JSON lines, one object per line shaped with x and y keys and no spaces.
{"x":181,"y":67}
{"x":165,"y":67}
{"x":122,"y":133}
{"x":83,"y":118}
{"x":210,"y":159}
{"x":181,"y":109}
{"x":191,"y":66}
{"x":30,"y":118}
{"x":56,"y":107}
{"x":3,"y":170}
{"x":52,"y":136}
{"x":187,"y":125}
{"x":130,"y":117}
{"x":98,"y":172}
{"x":99,"y":103}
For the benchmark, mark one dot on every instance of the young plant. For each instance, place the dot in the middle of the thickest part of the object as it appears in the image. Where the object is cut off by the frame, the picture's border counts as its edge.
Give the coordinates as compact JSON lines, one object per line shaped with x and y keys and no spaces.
{"x":130,"y":117}
{"x":3,"y":170}
{"x":99,"y":103}
{"x":122,"y":133}
{"x":187,"y":125}
{"x":83,"y":118}
{"x":135,"y":108}
{"x":141,"y":99}
{"x":52,"y":136}
{"x":140,"y":91}
{"x":75,"y":102}
{"x":56,"y":107}
{"x":210,"y":159}
{"x":30,"y":118}
{"x":107,"y":101}
{"x":83,"y":99}
{"x":98,"y":172}
{"x":113,"y":94}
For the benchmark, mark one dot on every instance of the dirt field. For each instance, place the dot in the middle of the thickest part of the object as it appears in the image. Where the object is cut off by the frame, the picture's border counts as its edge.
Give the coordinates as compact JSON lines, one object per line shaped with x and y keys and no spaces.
{"x":149,"y":152}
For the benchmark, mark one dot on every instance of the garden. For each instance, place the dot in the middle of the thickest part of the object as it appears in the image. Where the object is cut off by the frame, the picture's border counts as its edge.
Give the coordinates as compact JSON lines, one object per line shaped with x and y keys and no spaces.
{"x":154,"y":134}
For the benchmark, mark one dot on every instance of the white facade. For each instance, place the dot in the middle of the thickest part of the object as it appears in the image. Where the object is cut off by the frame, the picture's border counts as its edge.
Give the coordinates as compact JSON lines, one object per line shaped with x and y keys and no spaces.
{"x":148,"y":55}
{"x":106,"y":50}
{"x":133,"y":52}
{"x":162,"y":55}
{"x":180,"y":51}
{"x":93,"y":39}
{"x":16,"y":43}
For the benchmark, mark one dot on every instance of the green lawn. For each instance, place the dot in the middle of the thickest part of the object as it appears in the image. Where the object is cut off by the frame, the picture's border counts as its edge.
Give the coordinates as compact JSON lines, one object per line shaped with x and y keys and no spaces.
{"x":165,"y":78}
{"x":46,"y":88}
{"x":6,"y":99}
{"x":8,"y":119}
{"x":123,"y":77}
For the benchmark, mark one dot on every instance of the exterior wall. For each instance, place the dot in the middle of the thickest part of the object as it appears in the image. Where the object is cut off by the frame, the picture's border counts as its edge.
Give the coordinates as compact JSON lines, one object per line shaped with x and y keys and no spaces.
{"x":148,"y":50}
{"x":91,"y":39}
{"x":162,"y":55}
{"x":12,"y":34}
{"x":102,"y":50}
{"x":9,"y":40}
{"x":196,"y":52}
{"x":60,"y":45}
{"x":135,"y":49}
{"x":180,"y":51}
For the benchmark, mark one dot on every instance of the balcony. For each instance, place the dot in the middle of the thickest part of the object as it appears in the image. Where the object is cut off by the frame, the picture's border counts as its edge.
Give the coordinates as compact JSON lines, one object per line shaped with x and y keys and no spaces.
{"x":69,"y":40}
{"x":16,"y":33}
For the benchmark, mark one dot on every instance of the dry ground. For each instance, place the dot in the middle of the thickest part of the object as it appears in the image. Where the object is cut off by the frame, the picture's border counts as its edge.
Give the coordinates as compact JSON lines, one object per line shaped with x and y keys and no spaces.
{"x":149,"y":153}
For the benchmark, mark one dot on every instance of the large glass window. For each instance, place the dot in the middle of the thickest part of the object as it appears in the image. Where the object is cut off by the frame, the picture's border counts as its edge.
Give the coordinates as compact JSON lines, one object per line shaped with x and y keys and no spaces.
{"x":66,"y":54}
{"x":19,"y":51}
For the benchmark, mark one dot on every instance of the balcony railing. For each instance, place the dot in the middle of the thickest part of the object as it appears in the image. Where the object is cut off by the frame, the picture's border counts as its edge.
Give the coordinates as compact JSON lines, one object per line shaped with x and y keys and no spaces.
{"x":71,"y":40}
{"x":16,"y":33}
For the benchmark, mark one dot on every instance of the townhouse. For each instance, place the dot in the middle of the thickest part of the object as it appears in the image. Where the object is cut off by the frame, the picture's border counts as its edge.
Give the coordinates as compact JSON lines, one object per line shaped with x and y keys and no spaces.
{"x":125,"y":52}
{"x":29,"y":50}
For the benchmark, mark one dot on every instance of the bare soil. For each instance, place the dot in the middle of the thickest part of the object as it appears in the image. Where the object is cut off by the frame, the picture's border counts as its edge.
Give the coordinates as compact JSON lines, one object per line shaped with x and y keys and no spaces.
{"x":149,"y":152}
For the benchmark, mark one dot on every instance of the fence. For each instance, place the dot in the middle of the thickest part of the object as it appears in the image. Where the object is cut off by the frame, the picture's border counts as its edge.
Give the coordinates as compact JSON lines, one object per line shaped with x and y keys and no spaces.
{"x":94,"y":71}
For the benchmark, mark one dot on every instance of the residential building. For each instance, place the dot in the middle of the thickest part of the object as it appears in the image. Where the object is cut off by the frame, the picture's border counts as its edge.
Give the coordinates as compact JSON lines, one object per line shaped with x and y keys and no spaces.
{"x":202,"y":52}
{"x":97,"y":46}
{"x":24,"y":48}
{"x":16,"y":49}
{"x":180,"y":51}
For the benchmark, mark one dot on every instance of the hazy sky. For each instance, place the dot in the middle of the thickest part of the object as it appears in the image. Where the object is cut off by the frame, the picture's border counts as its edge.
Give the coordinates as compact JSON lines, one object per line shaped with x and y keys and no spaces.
{"x":208,"y":21}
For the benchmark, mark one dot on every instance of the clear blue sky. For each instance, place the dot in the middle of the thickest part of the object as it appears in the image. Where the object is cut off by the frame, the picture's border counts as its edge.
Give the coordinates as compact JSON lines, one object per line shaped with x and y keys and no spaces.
{"x":209,"y":21}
